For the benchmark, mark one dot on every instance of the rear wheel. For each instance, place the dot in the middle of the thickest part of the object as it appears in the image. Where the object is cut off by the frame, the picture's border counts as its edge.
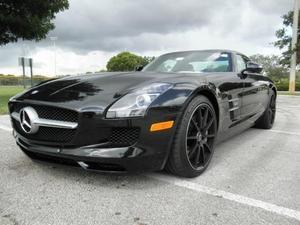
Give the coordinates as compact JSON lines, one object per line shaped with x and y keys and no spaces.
{"x":266,"y":121}
{"x":193,"y":146}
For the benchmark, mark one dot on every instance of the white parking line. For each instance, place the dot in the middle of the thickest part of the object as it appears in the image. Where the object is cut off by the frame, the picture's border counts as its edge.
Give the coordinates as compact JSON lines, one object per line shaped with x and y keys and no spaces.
{"x":229,"y":196}
{"x":285,"y":107}
{"x":291,"y":96}
{"x":6,"y":128}
{"x":284,"y":132}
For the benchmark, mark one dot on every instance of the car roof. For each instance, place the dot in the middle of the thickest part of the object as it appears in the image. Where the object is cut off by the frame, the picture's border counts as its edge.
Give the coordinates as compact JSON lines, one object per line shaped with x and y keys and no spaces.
{"x":207,"y":50}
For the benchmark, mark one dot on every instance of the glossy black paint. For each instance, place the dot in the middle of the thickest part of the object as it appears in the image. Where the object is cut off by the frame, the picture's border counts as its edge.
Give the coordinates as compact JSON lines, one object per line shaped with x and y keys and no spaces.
{"x":238,"y":101}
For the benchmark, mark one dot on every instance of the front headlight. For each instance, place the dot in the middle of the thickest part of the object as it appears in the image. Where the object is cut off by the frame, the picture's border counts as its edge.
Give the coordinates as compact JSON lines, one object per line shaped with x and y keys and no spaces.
{"x":136,"y":102}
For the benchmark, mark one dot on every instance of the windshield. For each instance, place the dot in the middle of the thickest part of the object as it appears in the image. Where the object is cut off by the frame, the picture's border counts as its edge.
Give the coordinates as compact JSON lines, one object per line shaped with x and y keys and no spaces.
{"x":191,"y":62}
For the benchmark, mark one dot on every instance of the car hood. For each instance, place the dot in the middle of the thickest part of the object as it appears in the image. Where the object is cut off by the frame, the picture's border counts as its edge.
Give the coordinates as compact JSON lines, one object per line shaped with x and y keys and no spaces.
{"x":91,"y":91}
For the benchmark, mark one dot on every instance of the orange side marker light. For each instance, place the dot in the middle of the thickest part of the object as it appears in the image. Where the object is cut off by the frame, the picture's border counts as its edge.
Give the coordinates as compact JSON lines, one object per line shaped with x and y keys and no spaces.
{"x":161,"y":126}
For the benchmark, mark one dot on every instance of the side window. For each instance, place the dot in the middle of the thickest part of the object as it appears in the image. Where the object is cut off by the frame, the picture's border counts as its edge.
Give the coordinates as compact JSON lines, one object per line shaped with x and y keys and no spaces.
{"x":240,"y":63}
{"x":167,"y":65}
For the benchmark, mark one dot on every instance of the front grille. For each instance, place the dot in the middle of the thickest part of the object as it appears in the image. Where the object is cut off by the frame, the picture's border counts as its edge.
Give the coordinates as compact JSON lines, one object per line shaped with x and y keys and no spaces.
{"x":124,"y":136}
{"x":50,"y":112}
{"x":113,"y":136}
{"x":48,"y":134}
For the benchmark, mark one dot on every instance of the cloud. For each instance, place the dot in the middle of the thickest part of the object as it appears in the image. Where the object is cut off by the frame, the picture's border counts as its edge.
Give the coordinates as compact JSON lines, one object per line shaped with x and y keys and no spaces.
{"x":107,"y":25}
{"x":89,"y":26}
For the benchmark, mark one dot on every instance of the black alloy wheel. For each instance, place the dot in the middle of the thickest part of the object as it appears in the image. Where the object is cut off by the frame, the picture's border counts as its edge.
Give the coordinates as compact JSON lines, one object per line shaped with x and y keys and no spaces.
{"x":193,"y":144}
{"x":200,"y":136}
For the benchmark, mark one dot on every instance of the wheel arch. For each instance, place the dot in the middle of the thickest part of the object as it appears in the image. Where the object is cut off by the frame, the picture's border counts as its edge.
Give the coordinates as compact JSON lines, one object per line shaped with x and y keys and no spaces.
{"x":211,"y":95}
{"x":212,"y":98}
{"x":273,"y":88}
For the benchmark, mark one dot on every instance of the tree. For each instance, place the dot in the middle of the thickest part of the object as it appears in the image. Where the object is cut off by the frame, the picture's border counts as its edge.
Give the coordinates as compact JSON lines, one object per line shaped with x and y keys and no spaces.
{"x":284,"y":41}
{"x":126,"y":61}
{"x":27,"y":19}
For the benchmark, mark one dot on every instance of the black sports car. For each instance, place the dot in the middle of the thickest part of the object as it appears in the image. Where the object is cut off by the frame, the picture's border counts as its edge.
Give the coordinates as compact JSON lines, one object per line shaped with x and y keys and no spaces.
{"x":168,"y":115}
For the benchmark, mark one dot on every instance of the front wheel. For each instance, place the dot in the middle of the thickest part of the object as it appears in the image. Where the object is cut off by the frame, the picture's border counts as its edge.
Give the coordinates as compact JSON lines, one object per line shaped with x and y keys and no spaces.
{"x":193,"y":145}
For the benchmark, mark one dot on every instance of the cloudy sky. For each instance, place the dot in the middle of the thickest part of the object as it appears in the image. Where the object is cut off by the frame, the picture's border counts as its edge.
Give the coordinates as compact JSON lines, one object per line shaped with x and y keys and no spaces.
{"x":90,"y":32}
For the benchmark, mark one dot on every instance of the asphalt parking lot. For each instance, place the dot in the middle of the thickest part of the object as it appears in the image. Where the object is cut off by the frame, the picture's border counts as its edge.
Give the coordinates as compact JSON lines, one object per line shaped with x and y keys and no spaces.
{"x":254,"y":178}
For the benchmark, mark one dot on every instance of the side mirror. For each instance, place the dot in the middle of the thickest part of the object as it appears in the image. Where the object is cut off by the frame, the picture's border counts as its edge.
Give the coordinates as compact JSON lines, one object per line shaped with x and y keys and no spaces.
{"x":253,"y":67}
{"x":139,"y":68}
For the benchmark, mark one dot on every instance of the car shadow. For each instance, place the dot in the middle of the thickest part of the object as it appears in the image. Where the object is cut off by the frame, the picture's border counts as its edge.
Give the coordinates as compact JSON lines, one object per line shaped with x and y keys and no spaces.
{"x":77,"y":175}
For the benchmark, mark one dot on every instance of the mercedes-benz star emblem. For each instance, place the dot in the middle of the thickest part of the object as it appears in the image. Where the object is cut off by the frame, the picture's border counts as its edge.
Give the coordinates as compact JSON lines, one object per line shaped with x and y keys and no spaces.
{"x":28,"y":116}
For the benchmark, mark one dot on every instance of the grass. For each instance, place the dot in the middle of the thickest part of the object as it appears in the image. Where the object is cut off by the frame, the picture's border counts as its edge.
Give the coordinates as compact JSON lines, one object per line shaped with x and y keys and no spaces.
{"x":5,"y":93}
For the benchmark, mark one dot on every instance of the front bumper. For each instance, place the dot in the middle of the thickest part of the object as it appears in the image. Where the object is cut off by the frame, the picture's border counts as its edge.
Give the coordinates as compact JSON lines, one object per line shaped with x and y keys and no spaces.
{"x":122,"y":159}
{"x":150,"y":153}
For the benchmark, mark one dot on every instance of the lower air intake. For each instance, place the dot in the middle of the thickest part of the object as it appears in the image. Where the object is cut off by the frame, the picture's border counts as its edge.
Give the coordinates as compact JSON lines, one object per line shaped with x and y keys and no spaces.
{"x":123,"y":136}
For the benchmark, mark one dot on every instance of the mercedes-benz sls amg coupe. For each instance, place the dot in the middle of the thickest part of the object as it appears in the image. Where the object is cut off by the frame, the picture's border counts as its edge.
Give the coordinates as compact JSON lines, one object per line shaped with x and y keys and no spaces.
{"x":168,"y":115}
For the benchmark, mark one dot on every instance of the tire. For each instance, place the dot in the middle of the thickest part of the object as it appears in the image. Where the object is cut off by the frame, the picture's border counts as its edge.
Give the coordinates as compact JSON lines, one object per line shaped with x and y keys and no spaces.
{"x":193,"y":144}
{"x":266,"y":121}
